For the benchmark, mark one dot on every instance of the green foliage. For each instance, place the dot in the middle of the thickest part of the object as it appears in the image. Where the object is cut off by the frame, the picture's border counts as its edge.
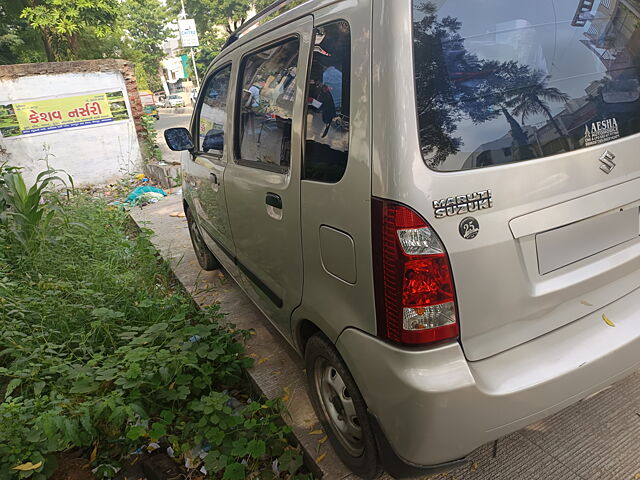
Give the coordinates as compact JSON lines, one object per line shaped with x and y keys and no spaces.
{"x":100,"y":348}
{"x":28,"y":212}
{"x":216,"y":19}
{"x":210,"y":14}
{"x":210,"y":45}
{"x":37,"y":30}
{"x":87,"y":29}
{"x":5,"y":169}
{"x":62,"y":23}
{"x":19,"y":43}
{"x":144,"y":23}
{"x":150,"y":148}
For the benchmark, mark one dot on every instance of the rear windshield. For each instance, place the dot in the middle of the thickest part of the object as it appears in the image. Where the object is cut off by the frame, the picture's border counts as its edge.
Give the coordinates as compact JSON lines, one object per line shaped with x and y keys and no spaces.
{"x":501,"y":81}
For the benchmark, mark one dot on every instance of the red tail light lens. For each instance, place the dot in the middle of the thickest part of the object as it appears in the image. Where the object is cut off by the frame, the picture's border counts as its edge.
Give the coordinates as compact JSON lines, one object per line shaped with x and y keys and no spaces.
{"x":415,"y":301}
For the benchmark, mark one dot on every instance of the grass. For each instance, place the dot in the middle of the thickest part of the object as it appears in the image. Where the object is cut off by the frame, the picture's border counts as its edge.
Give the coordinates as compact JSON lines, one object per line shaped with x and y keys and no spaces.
{"x":101,"y":350}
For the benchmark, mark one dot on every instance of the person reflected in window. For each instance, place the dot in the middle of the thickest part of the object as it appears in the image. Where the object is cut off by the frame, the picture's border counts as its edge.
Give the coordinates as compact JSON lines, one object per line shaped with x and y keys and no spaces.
{"x":332,"y":78}
{"x":327,"y":127}
{"x":254,"y":94}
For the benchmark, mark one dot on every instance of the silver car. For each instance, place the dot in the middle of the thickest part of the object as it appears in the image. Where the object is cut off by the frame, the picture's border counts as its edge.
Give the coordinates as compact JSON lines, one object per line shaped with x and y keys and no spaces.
{"x":174,"y":101}
{"x":437,"y":203}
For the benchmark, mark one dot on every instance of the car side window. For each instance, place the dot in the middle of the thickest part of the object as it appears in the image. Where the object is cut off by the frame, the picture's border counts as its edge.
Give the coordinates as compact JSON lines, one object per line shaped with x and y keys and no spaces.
{"x":268,"y":87}
{"x":212,"y":116}
{"x":327,"y":135}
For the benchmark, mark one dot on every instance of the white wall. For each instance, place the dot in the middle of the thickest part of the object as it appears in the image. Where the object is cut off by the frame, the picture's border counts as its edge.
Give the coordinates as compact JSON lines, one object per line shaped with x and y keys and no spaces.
{"x":92,"y":154}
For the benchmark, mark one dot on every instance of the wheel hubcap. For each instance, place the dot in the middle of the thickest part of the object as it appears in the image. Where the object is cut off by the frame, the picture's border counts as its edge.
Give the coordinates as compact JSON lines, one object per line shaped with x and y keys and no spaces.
{"x":338,"y":407}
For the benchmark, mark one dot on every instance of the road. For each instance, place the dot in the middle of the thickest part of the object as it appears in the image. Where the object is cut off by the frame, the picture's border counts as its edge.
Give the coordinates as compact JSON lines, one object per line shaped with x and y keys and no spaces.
{"x":171,"y":120}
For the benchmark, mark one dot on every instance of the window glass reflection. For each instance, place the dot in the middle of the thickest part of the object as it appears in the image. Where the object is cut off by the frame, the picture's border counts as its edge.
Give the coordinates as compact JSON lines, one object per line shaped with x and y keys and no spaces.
{"x":266,"y":105}
{"x":213,"y":112}
{"x":327,"y":136}
{"x":513,"y":80}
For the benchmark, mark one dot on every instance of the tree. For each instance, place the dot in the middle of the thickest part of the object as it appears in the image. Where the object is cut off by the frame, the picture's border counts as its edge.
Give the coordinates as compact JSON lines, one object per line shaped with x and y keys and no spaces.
{"x":144,"y":24}
{"x":10,"y":39}
{"x":217,"y":19}
{"x":532,"y":100}
{"x":210,"y":46}
{"x":510,"y":77}
{"x":213,"y":14}
{"x":453,"y":84}
{"x":63,"y":23}
{"x":519,"y":135}
{"x":19,"y":43}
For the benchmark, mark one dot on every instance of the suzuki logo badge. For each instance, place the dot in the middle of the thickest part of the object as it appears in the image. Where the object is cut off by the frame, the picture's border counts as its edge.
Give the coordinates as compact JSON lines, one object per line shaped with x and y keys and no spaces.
{"x":607,"y":162}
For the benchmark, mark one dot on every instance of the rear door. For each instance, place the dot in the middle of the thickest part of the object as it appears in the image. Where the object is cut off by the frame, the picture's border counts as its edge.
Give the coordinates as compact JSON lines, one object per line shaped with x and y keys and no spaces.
{"x":205,"y":172}
{"x":528,"y":116}
{"x":263,"y":181}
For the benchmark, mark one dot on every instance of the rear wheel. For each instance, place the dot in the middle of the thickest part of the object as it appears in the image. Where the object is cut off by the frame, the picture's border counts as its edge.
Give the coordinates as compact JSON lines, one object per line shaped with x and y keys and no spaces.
{"x":340,"y":407}
{"x":205,"y":258}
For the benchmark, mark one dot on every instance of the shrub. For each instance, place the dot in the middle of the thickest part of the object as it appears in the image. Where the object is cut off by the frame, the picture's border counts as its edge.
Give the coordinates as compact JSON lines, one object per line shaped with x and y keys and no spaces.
{"x":101,"y":349}
{"x":28,"y":212}
{"x":150,"y":148}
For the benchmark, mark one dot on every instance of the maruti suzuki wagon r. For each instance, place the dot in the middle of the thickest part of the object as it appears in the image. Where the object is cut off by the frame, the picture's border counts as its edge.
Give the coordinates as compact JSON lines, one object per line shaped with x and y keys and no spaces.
{"x":437,"y":202}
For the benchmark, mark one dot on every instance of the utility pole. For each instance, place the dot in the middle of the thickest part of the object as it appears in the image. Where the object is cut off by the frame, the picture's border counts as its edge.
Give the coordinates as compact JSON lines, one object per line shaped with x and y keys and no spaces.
{"x":195,"y":69}
{"x":183,"y":16}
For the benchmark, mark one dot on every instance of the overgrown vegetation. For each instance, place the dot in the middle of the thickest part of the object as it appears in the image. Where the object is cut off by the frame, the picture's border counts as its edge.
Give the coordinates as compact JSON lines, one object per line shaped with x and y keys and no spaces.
{"x":100,"y":349}
{"x":150,"y":148}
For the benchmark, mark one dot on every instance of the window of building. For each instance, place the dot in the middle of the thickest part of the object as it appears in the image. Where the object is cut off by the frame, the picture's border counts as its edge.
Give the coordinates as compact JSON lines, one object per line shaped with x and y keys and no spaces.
{"x":212,"y":116}
{"x":327,"y":135}
{"x":266,"y":106}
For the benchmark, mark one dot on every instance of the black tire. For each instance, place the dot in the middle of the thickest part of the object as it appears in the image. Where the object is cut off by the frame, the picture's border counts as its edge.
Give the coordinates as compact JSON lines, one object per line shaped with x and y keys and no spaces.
{"x":323,"y":362}
{"x":205,"y":258}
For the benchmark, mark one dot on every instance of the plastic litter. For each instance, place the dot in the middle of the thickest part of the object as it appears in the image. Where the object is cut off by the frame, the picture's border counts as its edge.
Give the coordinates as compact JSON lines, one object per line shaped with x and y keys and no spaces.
{"x":233,"y":403}
{"x":153,"y":447}
{"x":149,"y":197}
{"x":194,"y":457}
{"x":145,"y":194}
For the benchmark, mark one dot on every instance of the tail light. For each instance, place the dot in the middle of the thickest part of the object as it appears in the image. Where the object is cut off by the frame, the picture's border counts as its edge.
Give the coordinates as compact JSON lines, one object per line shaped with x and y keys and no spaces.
{"x":415,"y":301}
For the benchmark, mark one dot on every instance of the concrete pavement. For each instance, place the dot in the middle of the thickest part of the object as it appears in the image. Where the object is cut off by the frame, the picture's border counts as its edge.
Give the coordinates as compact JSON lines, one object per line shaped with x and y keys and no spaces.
{"x":166,"y":173}
{"x":598,"y":438}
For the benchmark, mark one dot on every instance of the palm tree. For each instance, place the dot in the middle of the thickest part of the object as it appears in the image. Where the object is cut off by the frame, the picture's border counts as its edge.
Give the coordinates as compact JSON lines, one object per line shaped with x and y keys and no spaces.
{"x":532,"y":100}
{"x":518,"y":135}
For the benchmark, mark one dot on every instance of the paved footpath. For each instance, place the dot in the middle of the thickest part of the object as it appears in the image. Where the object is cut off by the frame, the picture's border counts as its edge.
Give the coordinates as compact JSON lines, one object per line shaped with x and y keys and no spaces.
{"x":598,"y":438}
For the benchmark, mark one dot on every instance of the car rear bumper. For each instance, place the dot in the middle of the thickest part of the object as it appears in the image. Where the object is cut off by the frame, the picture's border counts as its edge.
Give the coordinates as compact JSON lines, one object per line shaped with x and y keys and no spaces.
{"x":434,"y":406}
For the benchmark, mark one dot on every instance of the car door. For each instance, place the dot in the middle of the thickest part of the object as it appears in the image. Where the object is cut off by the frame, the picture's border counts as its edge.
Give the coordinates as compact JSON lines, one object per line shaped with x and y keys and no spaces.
{"x":209,"y":160}
{"x":263,"y":181}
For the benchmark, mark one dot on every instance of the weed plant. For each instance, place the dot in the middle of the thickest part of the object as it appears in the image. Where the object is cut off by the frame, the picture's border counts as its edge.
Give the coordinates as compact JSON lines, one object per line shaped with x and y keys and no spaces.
{"x":101,"y":350}
{"x":150,"y":149}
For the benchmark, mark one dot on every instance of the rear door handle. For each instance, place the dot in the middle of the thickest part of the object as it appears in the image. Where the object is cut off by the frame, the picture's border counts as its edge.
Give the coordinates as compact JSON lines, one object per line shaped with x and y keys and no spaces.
{"x":274,"y":200}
